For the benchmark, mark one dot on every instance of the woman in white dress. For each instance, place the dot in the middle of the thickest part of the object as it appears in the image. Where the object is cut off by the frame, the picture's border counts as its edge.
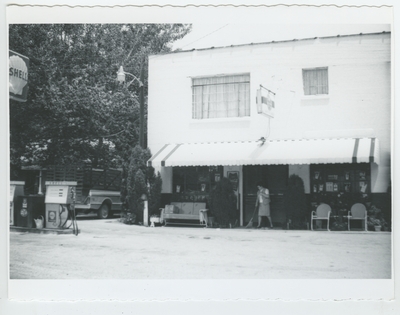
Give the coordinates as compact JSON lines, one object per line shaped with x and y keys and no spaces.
{"x":262,"y":203}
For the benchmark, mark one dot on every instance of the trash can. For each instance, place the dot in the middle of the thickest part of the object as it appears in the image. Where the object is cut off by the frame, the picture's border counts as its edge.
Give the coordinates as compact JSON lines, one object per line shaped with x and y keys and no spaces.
{"x":27,"y":209}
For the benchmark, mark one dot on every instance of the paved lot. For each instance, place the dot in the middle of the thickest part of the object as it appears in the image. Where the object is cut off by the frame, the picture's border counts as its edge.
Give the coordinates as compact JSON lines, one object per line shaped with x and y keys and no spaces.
{"x":108,"y":249}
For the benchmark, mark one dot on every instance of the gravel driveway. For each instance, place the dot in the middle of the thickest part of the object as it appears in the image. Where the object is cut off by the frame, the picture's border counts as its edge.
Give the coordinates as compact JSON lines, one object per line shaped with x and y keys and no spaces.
{"x":108,"y":249}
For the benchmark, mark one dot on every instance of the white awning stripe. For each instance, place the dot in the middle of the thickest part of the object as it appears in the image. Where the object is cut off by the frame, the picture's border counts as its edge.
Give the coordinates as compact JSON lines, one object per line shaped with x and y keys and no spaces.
{"x":364,"y":149}
{"x":315,"y":151}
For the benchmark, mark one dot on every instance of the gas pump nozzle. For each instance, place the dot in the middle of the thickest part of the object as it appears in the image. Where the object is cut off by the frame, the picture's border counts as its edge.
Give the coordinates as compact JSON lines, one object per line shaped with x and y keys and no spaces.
{"x":72,"y":209}
{"x":73,"y":194}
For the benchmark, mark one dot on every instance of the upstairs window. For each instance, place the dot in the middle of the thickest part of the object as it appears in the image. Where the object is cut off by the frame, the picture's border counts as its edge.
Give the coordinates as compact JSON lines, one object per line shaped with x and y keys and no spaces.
{"x":221,"y":96}
{"x":315,"y":81}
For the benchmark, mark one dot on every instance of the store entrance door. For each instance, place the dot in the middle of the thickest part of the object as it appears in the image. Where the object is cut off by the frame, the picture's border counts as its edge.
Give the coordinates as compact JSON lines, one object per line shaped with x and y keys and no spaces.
{"x":275,"y":177}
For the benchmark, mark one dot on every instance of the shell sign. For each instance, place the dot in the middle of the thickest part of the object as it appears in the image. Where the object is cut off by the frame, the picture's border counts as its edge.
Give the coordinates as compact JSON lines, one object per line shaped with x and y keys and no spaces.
{"x":18,"y":76}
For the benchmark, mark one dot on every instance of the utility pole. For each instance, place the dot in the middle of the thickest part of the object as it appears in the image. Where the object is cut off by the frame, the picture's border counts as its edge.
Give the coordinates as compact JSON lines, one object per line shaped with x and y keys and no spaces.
{"x":141,"y":100}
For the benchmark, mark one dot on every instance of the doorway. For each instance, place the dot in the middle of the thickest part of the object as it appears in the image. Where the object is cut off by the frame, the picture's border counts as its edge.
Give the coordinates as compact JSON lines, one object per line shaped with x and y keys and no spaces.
{"x":275,"y":177}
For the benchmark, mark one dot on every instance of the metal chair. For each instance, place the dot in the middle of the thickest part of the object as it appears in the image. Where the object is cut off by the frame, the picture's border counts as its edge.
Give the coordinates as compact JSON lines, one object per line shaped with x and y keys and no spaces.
{"x":323,"y":212}
{"x":357,"y":212}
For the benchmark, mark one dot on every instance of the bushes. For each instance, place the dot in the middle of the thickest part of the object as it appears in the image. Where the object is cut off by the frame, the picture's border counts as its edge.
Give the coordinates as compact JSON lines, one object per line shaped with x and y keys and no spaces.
{"x":223,"y":203}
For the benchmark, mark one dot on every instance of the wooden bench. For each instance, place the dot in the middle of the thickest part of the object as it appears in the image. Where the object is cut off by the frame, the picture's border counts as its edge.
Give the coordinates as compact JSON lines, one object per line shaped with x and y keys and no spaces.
{"x":185,"y":213}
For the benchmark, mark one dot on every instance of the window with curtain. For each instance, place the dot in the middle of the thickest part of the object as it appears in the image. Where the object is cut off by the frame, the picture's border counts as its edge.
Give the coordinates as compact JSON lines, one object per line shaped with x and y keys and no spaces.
{"x":221,"y":96}
{"x":315,"y":81}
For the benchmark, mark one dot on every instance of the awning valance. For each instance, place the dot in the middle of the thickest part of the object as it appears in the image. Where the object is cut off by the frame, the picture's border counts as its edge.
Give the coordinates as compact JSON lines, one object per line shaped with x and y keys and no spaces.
{"x":315,"y":151}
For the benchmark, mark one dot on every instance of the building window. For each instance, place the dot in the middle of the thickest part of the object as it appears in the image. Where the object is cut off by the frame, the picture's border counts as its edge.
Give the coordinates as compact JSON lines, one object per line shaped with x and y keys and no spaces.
{"x":340,"y":178}
{"x":194,"y":183}
{"x":221,"y":96}
{"x":315,"y":81}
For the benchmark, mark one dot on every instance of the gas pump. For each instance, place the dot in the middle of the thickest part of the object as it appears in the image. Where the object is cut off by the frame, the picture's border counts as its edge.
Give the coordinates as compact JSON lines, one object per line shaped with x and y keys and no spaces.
{"x":16,"y":190}
{"x":60,"y":205}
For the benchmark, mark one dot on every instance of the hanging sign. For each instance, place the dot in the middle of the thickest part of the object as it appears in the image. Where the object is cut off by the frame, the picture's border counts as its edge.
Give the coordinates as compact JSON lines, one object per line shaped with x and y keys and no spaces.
{"x":18,"y":76}
{"x":265,"y":102}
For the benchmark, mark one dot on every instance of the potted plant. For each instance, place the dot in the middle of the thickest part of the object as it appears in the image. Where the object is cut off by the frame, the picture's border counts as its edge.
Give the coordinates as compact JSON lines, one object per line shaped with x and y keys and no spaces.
{"x":374,"y":224}
{"x":376,"y":221}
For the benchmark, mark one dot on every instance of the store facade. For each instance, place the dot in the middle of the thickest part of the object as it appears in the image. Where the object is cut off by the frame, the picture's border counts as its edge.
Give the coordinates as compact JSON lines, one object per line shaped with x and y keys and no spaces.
{"x":328,"y":121}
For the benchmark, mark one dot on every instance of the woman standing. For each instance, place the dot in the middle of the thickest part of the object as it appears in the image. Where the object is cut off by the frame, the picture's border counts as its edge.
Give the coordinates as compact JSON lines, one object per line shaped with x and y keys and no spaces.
{"x":262,"y":203}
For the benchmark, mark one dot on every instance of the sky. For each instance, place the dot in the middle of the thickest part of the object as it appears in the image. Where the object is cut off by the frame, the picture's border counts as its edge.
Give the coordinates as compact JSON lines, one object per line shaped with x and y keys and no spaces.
{"x":226,"y":34}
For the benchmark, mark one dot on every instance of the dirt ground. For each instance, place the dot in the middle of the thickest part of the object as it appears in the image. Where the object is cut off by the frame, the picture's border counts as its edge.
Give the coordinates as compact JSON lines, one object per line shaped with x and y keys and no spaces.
{"x":108,"y":249}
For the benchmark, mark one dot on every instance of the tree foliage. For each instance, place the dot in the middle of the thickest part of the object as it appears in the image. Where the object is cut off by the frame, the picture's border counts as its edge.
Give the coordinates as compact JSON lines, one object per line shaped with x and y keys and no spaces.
{"x":76,"y":111}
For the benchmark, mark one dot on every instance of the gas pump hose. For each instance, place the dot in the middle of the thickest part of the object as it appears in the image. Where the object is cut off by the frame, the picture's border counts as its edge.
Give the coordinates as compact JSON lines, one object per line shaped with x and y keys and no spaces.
{"x":73,"y":220}
{"x":70,"y":216}
{"x":61,"y":210}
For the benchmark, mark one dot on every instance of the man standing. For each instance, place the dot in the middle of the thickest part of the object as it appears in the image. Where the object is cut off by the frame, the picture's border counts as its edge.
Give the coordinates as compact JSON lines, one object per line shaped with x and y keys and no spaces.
{"x":262,"y":203}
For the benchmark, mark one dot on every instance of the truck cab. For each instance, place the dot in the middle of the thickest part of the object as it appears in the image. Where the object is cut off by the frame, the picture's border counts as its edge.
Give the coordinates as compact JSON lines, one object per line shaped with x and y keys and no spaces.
{"x":103,"y":202}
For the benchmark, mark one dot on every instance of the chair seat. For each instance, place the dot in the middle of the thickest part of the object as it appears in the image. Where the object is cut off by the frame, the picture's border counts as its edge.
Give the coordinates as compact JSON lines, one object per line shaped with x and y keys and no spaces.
{"x":179,"y":216}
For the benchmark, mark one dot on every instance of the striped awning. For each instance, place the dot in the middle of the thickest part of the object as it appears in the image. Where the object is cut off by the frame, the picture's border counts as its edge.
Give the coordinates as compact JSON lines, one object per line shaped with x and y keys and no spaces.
{"x":313,"y":151}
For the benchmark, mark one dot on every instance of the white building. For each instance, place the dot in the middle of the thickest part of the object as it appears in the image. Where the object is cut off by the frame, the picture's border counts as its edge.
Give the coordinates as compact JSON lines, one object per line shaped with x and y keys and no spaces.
{"x":331,"y":120}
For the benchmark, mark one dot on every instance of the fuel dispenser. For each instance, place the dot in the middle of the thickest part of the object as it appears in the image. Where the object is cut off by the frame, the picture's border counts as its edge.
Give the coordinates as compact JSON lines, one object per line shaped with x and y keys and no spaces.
{"x":16,"y":190}
{"x":60,"y":205}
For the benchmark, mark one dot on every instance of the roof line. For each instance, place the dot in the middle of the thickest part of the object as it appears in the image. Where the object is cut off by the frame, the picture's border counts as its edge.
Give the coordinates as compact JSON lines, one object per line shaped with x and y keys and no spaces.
{"x":271,"y":42}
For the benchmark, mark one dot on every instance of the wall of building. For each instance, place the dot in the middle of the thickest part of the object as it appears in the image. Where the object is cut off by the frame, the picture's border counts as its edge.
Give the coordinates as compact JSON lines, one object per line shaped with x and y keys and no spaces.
{"x":358,"y":104}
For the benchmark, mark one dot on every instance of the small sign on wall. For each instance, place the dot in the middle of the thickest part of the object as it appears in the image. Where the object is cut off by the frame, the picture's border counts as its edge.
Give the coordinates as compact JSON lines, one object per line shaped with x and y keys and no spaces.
{"x":265,"y":102}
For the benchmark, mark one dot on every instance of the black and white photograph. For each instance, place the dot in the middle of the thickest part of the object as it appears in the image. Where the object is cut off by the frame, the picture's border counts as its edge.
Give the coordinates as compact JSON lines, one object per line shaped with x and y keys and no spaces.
{"x":200,"y":153}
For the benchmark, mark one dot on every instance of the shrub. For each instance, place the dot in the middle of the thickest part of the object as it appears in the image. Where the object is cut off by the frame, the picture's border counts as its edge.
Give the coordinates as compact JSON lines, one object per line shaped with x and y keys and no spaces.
{"x":223,"y":203}
{"x":295,"y":202}
{"x":138,"y":179}
{"x":155,"y":184}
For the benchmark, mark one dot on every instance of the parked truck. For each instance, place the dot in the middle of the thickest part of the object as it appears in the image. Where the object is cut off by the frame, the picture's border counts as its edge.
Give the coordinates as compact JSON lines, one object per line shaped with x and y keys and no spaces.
{"x":97,"y":190}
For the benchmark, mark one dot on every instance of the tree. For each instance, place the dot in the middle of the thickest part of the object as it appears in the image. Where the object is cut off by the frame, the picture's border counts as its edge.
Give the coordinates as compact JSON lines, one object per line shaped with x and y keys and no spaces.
{"x":76,"y":111}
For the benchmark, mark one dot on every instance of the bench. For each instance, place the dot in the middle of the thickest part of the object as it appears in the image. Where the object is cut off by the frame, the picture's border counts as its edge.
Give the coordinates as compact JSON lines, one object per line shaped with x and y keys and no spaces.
{"x":185,"y":213}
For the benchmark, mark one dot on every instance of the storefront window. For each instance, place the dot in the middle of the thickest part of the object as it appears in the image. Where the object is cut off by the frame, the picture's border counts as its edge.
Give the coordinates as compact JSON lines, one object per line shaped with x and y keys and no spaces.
{"x":346,"y":178}
{"x":340,"y":185}
{"x":194,"y":183}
